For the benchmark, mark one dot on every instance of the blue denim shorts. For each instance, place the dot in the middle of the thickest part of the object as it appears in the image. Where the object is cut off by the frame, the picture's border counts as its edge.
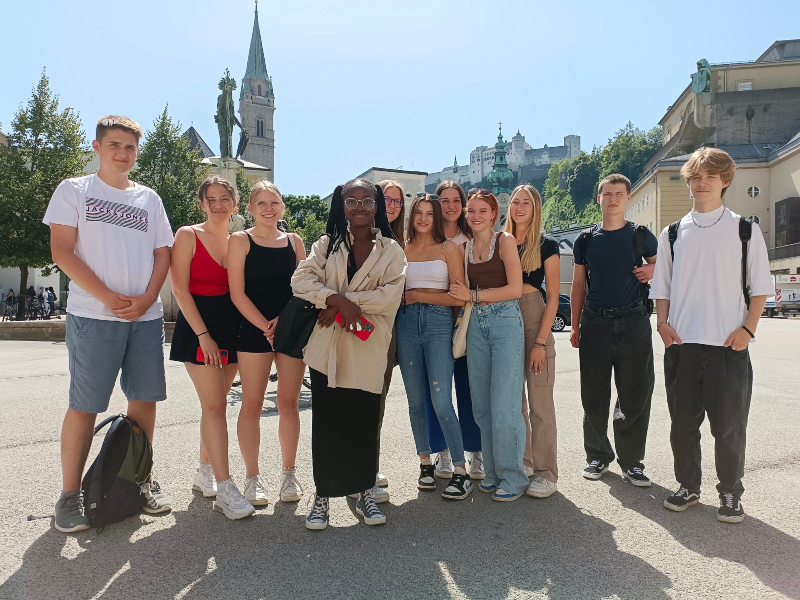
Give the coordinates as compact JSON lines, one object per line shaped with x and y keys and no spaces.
{"x":99,"y":349}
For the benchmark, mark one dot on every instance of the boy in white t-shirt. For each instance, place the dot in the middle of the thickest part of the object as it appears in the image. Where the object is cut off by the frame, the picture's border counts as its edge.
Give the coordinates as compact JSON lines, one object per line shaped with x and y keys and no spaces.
{"x":111,"y":236}
{"x":707,"y":326}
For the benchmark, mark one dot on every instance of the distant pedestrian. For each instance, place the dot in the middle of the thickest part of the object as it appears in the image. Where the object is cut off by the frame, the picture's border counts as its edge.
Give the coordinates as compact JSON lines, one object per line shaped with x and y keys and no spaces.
{"x":356,"y":272}
{"x":707,"y":368}
{"x":111,"y":236}
{"x":611,"y":329}
{"x":261,"y":262}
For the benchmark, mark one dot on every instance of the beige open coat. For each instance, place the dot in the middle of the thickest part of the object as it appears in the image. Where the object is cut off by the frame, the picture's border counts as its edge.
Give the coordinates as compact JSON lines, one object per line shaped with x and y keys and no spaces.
{"x":376,"y":288}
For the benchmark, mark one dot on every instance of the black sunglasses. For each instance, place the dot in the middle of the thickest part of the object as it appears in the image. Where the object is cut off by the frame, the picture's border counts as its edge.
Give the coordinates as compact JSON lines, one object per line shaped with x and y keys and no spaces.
{"x":479,"y":192}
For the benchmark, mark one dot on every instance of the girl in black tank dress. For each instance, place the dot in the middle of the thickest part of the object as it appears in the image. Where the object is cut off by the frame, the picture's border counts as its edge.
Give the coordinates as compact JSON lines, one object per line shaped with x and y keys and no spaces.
{"x":261,"y":261}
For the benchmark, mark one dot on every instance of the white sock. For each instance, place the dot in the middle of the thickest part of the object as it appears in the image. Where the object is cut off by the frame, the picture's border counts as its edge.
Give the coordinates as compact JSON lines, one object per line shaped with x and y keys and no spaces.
{"x":425,"y":461}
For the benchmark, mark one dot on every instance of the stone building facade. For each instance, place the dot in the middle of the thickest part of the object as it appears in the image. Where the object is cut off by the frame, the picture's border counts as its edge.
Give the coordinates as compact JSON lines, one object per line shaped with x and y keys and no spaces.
{"x":527,"y":163}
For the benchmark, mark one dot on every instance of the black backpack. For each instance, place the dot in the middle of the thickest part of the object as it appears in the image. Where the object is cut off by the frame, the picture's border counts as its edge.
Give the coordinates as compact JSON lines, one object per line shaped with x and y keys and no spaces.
{"x":745,"y":233}
{"x":111,"y":489}
{"x":638,"y":249}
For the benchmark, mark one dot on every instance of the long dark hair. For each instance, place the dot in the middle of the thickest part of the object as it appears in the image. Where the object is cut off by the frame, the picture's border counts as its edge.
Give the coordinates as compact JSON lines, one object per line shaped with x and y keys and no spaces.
{"x":462,"y":220}
{"x":437,"y":231}
{"x":336,"y":228}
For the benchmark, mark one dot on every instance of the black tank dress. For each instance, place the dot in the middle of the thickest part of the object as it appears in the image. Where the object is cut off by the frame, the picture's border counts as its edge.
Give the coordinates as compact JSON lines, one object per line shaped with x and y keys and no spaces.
{"x":267,"y":283}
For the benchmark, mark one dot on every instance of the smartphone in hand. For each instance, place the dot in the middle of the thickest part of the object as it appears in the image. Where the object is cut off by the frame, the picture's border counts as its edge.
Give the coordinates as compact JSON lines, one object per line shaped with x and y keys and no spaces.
{"x":364,"y":333}
{"x":223,"y":355}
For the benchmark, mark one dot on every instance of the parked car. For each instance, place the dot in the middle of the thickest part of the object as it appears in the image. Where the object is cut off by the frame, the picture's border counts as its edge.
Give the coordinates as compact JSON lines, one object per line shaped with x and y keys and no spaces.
{"x":563,"y":314}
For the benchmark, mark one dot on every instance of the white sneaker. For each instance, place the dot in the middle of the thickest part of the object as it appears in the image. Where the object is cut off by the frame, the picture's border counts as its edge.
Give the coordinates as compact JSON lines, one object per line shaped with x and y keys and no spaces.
{"x":291,"y":490}
{"x":541,"y":487}
{"x":255,"y":491}
{"x":444,"y":465}
{"x":476,"y":466}
{"x":381,"y":480}
{"x":529,"y":472}
{"x":204,"y":480}
{"x":230,"y":501}
{"x":379,"y":494}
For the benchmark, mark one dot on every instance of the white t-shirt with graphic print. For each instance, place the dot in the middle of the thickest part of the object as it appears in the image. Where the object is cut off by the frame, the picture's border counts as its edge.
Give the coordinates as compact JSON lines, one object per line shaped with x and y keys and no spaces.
{"x":118,"y":230}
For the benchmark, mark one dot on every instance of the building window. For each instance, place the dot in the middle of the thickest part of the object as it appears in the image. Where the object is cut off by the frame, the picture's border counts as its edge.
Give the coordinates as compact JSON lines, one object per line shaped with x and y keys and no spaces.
{"x":744,"y":86}
{"x":753,"y":191}
{"x":259,"y":128}
{"x":259,"y":89}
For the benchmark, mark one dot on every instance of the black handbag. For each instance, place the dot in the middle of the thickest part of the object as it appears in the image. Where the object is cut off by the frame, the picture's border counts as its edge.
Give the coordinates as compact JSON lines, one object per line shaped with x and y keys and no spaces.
{"x":295,"y":324}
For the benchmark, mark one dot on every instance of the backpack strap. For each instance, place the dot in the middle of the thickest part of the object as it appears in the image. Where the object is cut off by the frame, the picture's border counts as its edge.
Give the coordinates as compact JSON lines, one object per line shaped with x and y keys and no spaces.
{"x":673,"y":236}
{"x":745,"y":233}
{"x":586,"y":239}
{"x":638,"y":244}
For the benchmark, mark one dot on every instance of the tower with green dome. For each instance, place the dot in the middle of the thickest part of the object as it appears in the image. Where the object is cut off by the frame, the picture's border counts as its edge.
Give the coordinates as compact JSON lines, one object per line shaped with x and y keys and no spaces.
{"x":501,"y":179}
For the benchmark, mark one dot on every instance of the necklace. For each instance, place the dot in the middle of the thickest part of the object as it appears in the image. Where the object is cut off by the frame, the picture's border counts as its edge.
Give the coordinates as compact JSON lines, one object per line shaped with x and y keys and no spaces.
{"x":486,"y":246}
{"x":707,"y":226}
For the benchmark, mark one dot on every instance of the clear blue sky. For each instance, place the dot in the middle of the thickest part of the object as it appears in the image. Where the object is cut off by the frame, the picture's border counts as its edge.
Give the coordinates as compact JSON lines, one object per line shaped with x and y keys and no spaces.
{"x":386,"y":83}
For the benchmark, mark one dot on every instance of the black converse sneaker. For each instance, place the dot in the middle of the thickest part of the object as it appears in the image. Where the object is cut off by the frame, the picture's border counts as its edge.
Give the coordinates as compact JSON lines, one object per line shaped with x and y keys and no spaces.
{"x":637,"y":477}
{"x":460,"y":487}
{"x":318,"y":517}
{"x":366,"y":507}
{"x":427,"y":480}
{"x":681,"y":500}
{"x":595,"y":469}
{"x":730,"y":508}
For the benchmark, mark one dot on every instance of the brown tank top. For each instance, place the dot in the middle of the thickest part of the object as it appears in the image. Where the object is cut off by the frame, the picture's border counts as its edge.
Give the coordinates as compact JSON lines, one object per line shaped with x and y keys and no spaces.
{"x":490,"y":274}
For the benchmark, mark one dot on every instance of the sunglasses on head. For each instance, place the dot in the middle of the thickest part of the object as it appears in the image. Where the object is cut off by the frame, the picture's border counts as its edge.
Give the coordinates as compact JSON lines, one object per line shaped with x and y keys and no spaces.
{"x":429,"y":196}
{"x":479,"y":192}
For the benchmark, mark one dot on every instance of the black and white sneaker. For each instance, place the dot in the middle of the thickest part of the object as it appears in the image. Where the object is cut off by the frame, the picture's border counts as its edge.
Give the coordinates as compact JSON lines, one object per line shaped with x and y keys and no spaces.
{"x":366,"y":507}
{"x":637,"y":477}
{"x":460,"y":487}
{"x":427,"y":479}
{"x":595,"y":469}
{"x":730,"y":508}
{"x":317,"y":519}
{"x":681,"y":500}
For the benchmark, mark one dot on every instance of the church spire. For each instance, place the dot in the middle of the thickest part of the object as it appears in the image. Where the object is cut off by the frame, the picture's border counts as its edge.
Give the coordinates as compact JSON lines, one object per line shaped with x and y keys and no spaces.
{"x":256,"y":63}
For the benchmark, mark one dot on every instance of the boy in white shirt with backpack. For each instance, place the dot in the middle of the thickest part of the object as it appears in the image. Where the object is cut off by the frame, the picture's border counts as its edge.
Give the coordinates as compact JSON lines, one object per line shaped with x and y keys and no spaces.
{"x":711,"y":282}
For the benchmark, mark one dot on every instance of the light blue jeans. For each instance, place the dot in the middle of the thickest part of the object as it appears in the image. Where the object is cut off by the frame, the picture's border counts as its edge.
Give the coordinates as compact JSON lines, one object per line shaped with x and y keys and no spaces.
{"x":495,"y":348}
{"x":425,"y":355}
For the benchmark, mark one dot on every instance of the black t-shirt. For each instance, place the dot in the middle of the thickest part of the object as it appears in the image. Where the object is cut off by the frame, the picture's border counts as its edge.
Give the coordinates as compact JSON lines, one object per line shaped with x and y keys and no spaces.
{"x":549,"y":247}
{"x":611,"y":259}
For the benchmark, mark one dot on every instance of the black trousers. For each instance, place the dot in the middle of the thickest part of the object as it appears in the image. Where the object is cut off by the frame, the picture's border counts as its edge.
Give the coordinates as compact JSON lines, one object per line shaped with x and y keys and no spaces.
{"x":618,"y":341}
{"x":716,"y":381}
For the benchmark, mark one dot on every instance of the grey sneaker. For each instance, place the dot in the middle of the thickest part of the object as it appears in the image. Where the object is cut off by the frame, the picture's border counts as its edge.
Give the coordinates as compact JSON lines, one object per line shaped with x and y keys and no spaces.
{"x":366,"y":507}
{"x":380,"y":495}
{"x":154,"y":501}
{"x":70,"y":516}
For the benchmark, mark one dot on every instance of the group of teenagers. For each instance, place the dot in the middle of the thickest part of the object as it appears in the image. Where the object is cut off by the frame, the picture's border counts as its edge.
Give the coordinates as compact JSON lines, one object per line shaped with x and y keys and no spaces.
{"x":437,"y":292}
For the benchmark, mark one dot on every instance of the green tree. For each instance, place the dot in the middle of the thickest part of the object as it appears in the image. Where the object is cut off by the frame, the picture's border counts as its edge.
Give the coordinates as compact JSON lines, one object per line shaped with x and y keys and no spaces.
{"x":629,"y":151}
{"x":243,"y":187}
{"x":45,"y":146}
{"x":583,"y":176}
{"x":300,"y":208}
{"x":168,"y":165}
{"x":310,"y":231}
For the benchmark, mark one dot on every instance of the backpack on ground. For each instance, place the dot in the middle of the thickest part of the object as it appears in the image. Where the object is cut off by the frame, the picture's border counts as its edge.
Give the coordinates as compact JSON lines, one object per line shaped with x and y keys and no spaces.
{"x":111,"y":489}
{"x":638,"y":250}
{"x":745,"y":233}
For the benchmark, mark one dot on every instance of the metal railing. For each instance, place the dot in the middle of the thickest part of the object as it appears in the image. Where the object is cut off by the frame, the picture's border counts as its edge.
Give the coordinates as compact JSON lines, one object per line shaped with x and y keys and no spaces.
{"x":780,"y":252}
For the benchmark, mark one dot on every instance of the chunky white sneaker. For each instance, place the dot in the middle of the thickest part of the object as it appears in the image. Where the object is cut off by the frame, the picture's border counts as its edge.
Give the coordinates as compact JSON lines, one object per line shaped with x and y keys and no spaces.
{"x":318,"y":517}
{"x":230,"y":501}
{"x":255,"y":491}
{"x":291,"y":490}
{"x":529,"y":472}
{"x":381,"y":480}
{"x":204,"y":480}
{"x":444,"y":465}
{"x":380,"y":495}
{"x":476,"y":466}
{"x":541,"y":487}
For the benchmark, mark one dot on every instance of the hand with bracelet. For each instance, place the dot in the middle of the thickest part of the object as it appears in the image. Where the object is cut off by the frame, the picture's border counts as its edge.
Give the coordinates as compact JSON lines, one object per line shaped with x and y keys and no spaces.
{"x":740,"y":339}
{"x":210,"y":349}
{"x":538,"y":355}
{"x":668,"y":335}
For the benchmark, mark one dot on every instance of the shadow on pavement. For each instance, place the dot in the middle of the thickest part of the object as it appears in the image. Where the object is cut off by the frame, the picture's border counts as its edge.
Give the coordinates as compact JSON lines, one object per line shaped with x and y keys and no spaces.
{"x":770,"y":554}
{"x":430,"y":548}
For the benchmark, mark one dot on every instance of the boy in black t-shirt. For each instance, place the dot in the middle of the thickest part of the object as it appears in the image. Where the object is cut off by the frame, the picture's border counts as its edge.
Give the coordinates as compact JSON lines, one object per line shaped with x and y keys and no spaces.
{"x":611,"y":328}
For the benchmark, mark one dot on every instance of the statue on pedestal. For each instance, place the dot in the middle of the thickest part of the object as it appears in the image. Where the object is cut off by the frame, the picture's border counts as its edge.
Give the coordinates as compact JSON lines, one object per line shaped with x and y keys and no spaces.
{"x":701,"y":81}
{"x":226,"y":116}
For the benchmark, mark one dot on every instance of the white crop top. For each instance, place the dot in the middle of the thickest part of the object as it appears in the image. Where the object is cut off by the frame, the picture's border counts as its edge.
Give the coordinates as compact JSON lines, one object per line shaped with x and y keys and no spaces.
{"x":432,"y":274}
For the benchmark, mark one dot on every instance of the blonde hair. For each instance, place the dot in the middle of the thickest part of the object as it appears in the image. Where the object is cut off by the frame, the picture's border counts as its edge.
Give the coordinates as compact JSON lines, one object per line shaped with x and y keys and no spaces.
{"x":109,"y":122}
{"x":265,"y":185}
{"x":531,"y":258}
{"x":399,"y":223}
{"x":714,"y":161}
{"x":217,"y":180}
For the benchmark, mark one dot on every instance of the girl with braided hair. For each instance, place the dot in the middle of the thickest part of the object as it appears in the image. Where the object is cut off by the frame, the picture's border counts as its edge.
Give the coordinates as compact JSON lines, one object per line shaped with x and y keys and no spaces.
{"x":356,"y":272}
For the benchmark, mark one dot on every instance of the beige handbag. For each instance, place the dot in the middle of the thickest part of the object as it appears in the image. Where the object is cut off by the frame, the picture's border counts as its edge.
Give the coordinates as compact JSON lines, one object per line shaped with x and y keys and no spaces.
{"x":462,"y":321}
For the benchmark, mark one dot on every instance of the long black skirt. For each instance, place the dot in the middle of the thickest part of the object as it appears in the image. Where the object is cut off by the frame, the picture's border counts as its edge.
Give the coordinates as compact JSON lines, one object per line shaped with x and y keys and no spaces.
{"x":344,"y":430}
